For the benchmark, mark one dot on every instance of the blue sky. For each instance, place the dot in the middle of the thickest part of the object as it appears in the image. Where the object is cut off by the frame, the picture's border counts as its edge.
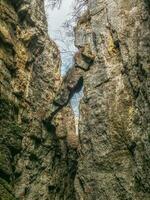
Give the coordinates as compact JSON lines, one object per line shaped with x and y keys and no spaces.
{"x":56,"y":18}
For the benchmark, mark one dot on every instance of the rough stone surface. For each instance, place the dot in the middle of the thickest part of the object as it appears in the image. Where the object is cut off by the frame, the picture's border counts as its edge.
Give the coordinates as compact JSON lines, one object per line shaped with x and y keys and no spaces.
{"x":36,"y":161}
{"x":114,"y":127}
{"x":40,"y":155}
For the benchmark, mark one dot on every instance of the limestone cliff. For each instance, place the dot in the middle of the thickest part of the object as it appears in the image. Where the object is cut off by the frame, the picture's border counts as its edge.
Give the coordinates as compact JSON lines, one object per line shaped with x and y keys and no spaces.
{"x":36,"y":162}
{"x":40,"y":155}
{"x":114,"y":158}
{"x":113,"y":66}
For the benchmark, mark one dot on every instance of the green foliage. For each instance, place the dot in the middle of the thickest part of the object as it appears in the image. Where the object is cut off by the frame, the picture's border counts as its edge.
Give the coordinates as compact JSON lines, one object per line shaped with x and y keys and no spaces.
{"x":7,"y":109}
{"x":14,"y":128}
{"x":10,"y":132}
{"x":5,"y":193}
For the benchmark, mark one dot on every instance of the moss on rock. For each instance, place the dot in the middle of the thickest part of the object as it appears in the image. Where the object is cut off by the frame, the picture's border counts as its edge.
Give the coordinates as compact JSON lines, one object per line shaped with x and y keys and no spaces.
{"x":5,"y":194}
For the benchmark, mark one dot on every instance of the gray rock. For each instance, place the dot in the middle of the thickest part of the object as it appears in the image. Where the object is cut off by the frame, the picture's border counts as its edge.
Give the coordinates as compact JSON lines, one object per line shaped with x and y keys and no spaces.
{"x":114,"y":123}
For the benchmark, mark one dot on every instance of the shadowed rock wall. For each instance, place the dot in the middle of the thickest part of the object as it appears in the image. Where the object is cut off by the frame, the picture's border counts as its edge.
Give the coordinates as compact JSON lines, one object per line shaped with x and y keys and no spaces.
{"x":36,"y":162}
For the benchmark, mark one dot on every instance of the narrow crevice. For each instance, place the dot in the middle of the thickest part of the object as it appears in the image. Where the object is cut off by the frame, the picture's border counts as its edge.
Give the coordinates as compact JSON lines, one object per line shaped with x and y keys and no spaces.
{"x":77,"y":88}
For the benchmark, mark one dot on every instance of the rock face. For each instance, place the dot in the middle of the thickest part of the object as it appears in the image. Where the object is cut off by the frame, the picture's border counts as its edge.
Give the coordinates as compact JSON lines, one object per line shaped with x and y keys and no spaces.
{"x":114,"y":158}
{"x":36,"y":162}
{"x":40,"y":155}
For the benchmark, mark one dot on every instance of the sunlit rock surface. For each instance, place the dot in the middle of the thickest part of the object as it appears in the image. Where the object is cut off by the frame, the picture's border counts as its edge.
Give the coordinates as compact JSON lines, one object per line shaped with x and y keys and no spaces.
{"x":41,"y":156}
{"x":115,"y":111}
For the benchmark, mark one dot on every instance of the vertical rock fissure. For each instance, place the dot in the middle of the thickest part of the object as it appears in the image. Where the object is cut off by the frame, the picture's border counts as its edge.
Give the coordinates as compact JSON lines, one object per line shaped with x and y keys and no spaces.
{"x":108,"y":156}
{"x":64,"y":38}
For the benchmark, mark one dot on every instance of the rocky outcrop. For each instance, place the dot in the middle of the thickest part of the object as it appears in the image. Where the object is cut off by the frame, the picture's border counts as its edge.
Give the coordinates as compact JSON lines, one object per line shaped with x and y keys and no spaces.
{"x":41,"y":157}
{"x":36,"y":162}
{"x":115,"y":111}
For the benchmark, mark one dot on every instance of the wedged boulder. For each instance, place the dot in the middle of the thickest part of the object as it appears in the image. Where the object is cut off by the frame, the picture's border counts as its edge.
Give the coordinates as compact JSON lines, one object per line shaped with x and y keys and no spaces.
{"x":71,"y":83}
{"x":85,"y":57}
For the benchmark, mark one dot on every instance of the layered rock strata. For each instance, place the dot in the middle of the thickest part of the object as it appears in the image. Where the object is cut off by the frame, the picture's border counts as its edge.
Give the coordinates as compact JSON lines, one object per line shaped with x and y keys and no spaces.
{"x":38,"y":157}
{"x":114,"y":123}
{"x":36,"y":162}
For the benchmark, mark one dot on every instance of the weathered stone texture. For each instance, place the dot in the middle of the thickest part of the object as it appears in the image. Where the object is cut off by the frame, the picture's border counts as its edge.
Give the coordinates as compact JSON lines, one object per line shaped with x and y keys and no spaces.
{"x":38,"y":145}
{"x":35,"y":162}
{"x":115,"y":110}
